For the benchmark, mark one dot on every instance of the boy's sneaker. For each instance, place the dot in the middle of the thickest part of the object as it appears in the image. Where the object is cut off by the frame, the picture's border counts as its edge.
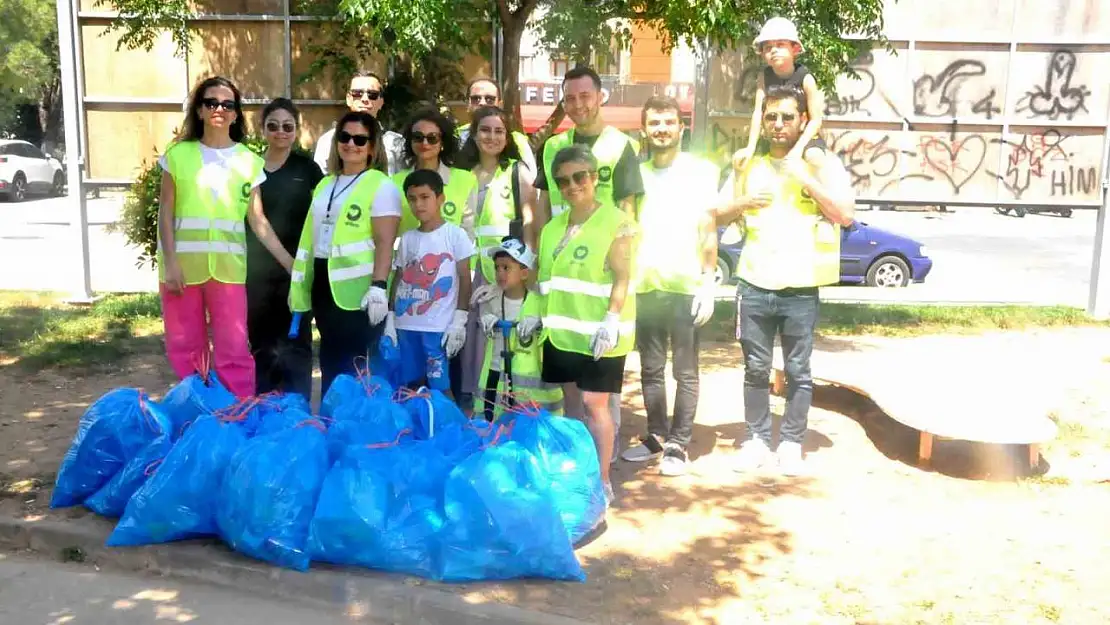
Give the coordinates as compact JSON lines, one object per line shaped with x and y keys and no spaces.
{"x":649,"y":448}
{"x":790,"y":459}
{"x":753,"y":455}
{"x":674,"y":460}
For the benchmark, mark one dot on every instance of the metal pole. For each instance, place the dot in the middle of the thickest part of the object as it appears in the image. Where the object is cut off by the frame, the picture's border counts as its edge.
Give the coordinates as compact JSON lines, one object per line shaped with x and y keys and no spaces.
{"x":80,"y":67}
{"x":81,"y":289}
{"x":1098,"y":304}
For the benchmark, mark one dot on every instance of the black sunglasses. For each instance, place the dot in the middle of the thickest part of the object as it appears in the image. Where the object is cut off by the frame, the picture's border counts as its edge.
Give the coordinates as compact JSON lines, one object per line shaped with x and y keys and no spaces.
{"x":213,"y":103}
{"x":346,"y":137}
{"x":579,"y":178}
{"x":358,"y":94}
{"x":488,"y":99}
{"x":774,"y":117}
{"x":431,"y":138}
{"x":286,"y":127}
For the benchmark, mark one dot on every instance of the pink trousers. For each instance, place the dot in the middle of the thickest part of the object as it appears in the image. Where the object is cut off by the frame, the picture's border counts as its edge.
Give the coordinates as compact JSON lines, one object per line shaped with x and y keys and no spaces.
{"x":216,"y":308}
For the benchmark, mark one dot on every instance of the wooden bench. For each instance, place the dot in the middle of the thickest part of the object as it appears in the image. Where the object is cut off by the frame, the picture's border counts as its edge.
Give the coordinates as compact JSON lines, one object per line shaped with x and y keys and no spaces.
{"x":940,"y":397}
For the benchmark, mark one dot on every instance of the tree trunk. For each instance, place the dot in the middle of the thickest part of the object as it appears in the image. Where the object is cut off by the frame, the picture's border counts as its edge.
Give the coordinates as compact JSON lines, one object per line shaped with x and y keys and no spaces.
{"x":512,"y":32}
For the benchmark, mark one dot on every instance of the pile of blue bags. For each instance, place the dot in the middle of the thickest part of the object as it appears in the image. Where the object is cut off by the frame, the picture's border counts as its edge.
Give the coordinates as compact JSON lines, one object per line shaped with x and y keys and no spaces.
{"x":397,"y":481}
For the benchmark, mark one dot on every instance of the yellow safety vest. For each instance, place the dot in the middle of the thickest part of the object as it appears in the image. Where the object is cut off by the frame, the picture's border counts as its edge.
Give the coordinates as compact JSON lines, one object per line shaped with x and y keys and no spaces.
{"x":528,"y":385}
{"x":789,"y":244}
{"x":498,"y":210}
{"x":577,"y":282}
{"x":460,"y":184}
{"x":210,"y":231}
{"x":670,"y":220}
{"x":351,"y":261}
{"x":607,"y":149}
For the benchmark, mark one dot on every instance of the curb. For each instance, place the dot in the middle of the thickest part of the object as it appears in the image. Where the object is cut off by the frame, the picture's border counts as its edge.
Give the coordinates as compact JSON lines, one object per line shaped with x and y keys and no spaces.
{"x":366,"y":596}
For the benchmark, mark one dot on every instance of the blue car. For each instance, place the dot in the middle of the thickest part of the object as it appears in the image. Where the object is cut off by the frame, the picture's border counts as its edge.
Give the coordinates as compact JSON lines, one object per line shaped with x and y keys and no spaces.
{"x":868,"y":255}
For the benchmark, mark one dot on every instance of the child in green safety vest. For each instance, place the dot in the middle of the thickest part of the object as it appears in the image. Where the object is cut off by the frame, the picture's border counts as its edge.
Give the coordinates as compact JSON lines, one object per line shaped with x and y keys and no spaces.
{"x":511,"y":373}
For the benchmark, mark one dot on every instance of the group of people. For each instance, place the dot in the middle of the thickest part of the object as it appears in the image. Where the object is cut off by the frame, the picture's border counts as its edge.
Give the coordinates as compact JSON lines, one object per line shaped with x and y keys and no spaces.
{"x":501,"y":274}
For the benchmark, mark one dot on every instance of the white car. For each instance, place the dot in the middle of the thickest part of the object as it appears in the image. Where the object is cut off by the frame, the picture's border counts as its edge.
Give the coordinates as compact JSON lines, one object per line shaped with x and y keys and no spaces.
{"x":25,"y":169}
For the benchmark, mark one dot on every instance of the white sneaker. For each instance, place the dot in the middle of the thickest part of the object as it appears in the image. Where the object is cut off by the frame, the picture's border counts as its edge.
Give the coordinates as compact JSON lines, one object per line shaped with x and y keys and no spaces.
{"x":650,"y":448}
{"x":753,"y":454}
{"x":609,"y":495}
{"x":674,"y":460}
{"x":790,"y":459}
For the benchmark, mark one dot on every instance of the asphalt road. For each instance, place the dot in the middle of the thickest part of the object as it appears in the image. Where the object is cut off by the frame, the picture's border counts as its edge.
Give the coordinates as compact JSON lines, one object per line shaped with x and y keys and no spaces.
{"x":979,"y":256}
{"x":35,"y":592}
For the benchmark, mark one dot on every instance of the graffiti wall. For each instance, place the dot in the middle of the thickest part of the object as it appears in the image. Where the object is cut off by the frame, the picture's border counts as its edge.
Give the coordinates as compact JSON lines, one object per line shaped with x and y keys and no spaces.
{"x":954,"y":114}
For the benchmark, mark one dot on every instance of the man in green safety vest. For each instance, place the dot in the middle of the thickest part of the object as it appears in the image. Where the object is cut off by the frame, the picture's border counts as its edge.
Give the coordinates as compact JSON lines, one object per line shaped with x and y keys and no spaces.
{"x":619,"y":181}
{"x":485,"y":92}
{"x":791,"y":214}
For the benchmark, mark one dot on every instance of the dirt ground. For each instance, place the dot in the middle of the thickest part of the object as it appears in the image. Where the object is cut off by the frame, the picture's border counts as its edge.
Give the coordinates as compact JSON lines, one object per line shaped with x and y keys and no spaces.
{"x":865,"y":538}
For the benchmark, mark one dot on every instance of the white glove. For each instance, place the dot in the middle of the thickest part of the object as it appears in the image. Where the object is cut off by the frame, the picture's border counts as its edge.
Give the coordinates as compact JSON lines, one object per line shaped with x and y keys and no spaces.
{"x":489,"y":324}
{"x":484,"y":293}
{"x":702,"y":308}
{"x":376,"y":303}
{"x":527,"y":327}
{"x":455,"y":336}
{"x":605,"y":338}
{"x":390,"y":332}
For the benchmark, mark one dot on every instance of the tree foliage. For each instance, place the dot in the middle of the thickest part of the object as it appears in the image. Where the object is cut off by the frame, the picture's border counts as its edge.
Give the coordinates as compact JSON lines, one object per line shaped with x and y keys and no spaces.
{"x":29,"y":64}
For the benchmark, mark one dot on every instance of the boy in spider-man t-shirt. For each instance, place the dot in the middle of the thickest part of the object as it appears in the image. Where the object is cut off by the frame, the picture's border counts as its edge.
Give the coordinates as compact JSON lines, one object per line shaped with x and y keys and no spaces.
{"x":431,"y":285}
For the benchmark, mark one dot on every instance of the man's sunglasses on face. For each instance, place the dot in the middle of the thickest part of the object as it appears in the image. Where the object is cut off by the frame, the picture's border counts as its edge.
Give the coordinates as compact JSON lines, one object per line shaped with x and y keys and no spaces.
{"x":358,"y":94}
{"x":487,"y":99}
{"x":774,"y":117}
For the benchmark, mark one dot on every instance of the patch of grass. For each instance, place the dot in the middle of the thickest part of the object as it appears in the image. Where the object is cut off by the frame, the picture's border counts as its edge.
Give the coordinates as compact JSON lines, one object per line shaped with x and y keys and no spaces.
{"x":38,"y":331}
{"x":1049,"y":612}
{"x":909,"y":320}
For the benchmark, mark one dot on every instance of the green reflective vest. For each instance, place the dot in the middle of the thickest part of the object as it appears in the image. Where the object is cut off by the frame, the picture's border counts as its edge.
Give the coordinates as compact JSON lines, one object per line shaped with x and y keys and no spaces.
{"x":789,"y":244}
{"x":577,"y":282}
{"x":460,"y":184}
{"x":351,"y":258}
{"x":607,"y":149}
{"x":498,"y":210}
{"x":528,"y":385}
{"x":671,"y":216}
{"x":210,"y":231}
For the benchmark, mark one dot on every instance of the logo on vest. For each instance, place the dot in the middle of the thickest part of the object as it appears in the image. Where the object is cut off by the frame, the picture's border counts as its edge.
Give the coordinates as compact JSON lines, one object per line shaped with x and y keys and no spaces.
{"x":449,"y":209}
{"x":354,"y":213}
{"x":246,"y":190}
{"x":505,"y":193}
{"x":581,"y":252}
{"x":605,"y":174}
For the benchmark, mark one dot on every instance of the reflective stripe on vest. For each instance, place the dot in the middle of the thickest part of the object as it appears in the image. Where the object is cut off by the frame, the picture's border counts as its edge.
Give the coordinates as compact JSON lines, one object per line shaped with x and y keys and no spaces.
{"x":607,"y":149}
{"x":789,"y":244}
{"x":460,"y":184}
{"x":528,"y":384}
{"x":351,"y":255}
{"x":209,"y":223}
{"x":671,"y":216}
{"x":576,"y":284}
{"x":498,"y":210}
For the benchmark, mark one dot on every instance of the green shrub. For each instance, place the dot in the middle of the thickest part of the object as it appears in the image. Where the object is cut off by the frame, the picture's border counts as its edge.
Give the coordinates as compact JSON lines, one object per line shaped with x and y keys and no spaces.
{"x":140,"y":209}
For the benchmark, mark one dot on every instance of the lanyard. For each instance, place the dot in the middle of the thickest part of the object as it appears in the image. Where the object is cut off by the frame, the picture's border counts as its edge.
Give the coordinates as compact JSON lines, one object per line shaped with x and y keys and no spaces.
{"x":327,"y":212}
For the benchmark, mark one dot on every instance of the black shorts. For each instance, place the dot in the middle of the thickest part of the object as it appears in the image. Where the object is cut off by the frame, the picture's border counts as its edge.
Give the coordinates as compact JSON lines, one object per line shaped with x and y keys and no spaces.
{"x":600,"y":376}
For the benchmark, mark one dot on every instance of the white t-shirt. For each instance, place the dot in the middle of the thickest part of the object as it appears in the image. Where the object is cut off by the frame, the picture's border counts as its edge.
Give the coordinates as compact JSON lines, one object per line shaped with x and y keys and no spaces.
{"x":511,"y":313}
{"x":427,"y":285}
{"x":386,"y":203}
{"x":214,"y":169}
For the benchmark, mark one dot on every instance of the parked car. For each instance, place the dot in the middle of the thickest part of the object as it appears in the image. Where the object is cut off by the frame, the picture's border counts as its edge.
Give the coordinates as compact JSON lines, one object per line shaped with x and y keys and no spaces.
{"x":868,"y":255}
{"x":24,"y":169}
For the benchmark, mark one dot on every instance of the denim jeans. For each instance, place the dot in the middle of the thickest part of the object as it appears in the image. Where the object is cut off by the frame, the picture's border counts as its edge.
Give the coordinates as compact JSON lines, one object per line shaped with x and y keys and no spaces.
{"x":791,"y":314}
{"x":663,"y":320}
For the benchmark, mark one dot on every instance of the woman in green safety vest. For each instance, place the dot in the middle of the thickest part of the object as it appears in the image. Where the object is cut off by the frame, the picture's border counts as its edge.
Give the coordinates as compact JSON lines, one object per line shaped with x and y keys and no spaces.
{"x":430,"y":143}
{"x":346,"y":249}
{"x":505,"y":205}
{"x":209,"y":189}
{"x":589,"y":313}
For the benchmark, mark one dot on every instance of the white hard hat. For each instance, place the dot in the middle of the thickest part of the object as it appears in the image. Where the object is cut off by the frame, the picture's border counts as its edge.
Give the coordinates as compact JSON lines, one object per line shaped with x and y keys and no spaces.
{"x":778,"y":28}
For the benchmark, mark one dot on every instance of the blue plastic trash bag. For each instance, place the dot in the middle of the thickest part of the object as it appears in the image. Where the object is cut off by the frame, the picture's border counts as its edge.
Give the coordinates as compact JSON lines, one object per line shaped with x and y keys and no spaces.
{"x":115,"y":430}
{"x":430,"y":410}
{"x":193,"y":397}
{"x":501,"y":521}
{"x":566,"y":453}
{"x":383,"y":509}
{"x":269,"y":494}
{"x":386,"y":362}
{"x":179,"y":500}
{"x":458,"y":441}
{"x":346,"y":389}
